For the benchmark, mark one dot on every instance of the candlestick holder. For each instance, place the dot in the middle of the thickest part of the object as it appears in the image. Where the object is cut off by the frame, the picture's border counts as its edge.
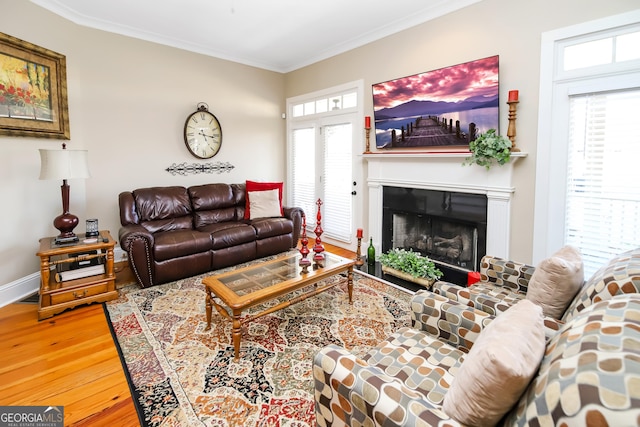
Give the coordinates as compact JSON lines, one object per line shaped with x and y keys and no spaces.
{"x":367,"y":148}
{"x":304,"y":250}
{"x":511,"y":130}
{"x":359,"y":260}
{"x":318,"y":249}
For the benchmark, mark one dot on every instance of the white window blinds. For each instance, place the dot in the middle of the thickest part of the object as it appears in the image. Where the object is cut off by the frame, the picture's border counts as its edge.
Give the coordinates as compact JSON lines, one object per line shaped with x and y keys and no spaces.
{"x":303,"y":172}
{"x":336,"y":180}
{"x":603,"y":175}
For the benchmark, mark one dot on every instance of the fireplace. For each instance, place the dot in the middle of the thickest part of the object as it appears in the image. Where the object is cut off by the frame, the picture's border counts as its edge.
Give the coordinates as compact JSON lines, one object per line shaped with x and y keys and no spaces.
{"x":448,"y":227}
{"x":460,"y":188}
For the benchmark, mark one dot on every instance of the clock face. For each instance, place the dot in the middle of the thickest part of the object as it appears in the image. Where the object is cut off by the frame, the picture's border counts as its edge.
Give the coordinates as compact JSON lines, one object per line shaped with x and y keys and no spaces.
{"x":203,"y":134}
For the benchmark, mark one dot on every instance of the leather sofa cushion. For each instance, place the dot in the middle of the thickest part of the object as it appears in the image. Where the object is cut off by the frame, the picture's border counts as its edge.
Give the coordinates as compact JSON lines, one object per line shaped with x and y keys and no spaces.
{"x":180,"y":243}
{"x":269,"y":227}
{"x":163,"y":208}
{"x":226,"y":234}
{"x":214,"y":203}
{"x":211,"y":196}
{"x":204,"y":218}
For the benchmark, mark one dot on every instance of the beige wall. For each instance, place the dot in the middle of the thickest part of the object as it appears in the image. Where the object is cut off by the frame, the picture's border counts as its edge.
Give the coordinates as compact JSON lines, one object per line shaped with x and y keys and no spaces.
{"x":128,"y":100}
{"x":508,"y":28}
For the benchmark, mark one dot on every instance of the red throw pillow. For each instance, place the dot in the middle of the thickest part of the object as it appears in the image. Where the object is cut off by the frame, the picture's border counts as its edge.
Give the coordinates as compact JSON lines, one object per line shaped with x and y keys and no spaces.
{"x":261,"y":186}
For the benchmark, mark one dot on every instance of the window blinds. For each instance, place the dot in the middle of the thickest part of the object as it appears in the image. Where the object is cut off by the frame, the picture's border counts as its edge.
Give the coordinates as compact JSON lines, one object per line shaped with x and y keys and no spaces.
{"x":603,"y":176}
{"x":303,"y":172}
{"x":336,"y":181}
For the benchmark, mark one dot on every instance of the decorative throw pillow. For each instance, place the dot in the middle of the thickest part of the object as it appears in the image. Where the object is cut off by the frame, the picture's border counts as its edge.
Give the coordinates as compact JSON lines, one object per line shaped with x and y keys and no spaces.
{"x":251,"y":186}
{"x":265,"y":204}
{"x":556,"y":280}
{"x":499,"y":367}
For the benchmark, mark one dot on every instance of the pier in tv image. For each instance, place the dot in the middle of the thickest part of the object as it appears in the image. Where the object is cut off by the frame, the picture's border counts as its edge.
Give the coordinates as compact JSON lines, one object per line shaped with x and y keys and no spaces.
{"x":441,"y":108}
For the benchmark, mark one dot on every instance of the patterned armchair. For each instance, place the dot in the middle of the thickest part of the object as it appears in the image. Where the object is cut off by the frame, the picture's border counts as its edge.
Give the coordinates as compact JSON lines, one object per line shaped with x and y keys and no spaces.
{"x":503,"y":283}
{"x":588,"y":375}
{"x":424,"y":366}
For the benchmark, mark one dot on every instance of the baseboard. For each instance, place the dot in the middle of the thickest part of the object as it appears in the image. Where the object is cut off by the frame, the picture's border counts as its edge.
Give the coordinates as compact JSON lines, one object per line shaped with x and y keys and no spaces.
{"x":19,"y":289}
{"x":28,"y":285}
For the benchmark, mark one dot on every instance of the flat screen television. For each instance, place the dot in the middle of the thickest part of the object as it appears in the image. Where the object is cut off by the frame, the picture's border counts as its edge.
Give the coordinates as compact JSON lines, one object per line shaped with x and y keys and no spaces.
{"x":447,"y":107}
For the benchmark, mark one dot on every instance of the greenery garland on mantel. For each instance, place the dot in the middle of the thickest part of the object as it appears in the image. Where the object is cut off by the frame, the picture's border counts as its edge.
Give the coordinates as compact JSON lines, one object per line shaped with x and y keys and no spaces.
{"x":488,"y":149}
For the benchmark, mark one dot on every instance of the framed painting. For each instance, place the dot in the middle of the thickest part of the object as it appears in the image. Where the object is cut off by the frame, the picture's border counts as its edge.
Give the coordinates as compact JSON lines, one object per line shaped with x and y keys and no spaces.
{"x":442,"y":108}
{"x":33,"y":90}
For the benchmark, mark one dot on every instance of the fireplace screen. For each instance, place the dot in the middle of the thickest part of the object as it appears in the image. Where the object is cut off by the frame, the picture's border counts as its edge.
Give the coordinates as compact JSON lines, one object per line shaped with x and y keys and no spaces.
{"x":448,"y":227}
{"x":450,"y":242}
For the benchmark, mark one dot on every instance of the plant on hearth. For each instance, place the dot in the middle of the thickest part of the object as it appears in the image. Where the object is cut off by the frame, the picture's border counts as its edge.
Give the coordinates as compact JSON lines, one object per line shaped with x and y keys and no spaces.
{"x":489,"y":148}
{"x":410,"y":262}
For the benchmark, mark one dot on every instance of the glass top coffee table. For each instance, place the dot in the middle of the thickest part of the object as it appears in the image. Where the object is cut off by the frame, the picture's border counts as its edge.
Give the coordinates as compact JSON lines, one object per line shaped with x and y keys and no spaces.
{"x":249,"y":286}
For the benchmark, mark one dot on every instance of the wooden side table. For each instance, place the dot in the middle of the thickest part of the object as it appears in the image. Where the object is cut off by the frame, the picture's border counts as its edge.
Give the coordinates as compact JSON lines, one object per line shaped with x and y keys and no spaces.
{"x":56,"y":297}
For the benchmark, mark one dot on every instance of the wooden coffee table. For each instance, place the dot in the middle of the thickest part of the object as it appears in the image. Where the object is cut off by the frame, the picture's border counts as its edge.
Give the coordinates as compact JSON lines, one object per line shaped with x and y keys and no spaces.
{"x":249,"y":286}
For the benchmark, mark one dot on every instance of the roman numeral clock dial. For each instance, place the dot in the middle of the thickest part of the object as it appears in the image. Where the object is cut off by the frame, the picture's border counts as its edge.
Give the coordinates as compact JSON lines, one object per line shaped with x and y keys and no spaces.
{"x":202,"y":133}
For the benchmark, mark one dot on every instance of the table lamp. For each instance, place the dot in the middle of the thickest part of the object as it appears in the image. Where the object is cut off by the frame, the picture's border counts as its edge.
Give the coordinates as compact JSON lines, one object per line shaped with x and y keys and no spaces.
{"x":64,"y":164}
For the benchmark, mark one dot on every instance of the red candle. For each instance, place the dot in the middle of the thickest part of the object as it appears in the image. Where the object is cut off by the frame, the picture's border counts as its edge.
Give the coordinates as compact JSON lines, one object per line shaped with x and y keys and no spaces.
{"x":367,"y":122}
{"x":359,"y":233}
{"x":513,"y":95}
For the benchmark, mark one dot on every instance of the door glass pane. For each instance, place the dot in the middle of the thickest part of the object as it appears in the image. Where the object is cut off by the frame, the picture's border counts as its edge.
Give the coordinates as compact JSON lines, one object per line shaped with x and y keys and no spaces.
{"x":350,"y":100}
{"x":303,"y":171}
{"x":321,"y":105}
{"x":337,"y":181}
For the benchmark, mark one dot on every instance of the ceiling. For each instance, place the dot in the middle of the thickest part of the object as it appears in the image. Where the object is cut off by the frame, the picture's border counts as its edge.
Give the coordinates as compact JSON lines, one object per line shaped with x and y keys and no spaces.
{"x":277,"y":35}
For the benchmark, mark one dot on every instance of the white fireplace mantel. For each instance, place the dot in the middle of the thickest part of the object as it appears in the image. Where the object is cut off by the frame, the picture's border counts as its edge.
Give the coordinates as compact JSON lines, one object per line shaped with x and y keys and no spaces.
{"x":443,"y":171}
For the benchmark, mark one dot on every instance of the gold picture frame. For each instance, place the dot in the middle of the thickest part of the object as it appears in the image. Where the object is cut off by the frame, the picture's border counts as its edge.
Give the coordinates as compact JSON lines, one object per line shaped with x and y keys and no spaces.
{"x":33,"y":90}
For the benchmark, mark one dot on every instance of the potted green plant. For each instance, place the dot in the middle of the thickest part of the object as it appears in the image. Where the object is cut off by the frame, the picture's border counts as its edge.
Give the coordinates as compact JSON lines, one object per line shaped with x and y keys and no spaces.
{"x":410,"y":265}
{"x":489,"y":148}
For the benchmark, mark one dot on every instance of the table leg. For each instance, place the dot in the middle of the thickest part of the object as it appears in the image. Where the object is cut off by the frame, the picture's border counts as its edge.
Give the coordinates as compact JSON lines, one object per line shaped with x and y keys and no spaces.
{"x":236,"y":333}
{"x":44,"y":273}
{"x":208,"y":305}
{"x":350,"y":284}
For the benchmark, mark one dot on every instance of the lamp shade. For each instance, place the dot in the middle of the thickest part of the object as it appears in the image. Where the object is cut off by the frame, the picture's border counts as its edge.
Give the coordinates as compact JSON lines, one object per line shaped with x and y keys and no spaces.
{"x":64,"y":164}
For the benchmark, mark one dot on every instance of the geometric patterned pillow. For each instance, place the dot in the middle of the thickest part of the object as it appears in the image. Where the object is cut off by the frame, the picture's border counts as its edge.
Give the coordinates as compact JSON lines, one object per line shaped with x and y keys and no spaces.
{"x":621,"y":275}
{"x":590,"y":374}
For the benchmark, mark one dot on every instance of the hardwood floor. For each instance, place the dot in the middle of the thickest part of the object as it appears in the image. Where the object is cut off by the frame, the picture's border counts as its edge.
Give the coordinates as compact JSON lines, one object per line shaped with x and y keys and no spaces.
{"x":69,"y":360}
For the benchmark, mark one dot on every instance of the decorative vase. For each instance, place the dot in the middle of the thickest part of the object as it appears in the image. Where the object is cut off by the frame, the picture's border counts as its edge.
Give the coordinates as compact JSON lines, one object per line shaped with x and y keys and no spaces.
{"x":427,"y":283}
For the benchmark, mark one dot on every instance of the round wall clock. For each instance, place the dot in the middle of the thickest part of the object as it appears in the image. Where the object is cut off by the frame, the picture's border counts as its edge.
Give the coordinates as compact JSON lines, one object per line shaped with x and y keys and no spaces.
{"x":202,"y":133}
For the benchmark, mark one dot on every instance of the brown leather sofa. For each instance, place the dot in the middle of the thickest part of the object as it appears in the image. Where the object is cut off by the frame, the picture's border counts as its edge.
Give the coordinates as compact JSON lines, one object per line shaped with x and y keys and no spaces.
{"x":170,"y":233}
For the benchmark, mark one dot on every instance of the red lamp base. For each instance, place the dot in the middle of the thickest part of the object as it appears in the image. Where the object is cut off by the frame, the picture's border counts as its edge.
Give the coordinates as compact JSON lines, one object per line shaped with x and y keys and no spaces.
{"x":65,"y":223}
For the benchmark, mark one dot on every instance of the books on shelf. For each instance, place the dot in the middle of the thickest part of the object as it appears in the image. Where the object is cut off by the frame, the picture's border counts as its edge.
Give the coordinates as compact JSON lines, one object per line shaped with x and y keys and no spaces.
{"x":80,"y":265}
{"x":79,"y":273}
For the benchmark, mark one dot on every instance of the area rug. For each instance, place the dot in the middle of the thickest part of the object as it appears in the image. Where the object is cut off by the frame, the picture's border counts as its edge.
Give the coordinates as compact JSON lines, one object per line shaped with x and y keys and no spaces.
{"x":183,"y":375}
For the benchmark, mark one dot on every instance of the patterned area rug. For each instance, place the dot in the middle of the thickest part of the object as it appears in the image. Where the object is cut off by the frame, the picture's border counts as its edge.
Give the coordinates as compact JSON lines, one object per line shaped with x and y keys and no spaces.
{"x":182,"y":375}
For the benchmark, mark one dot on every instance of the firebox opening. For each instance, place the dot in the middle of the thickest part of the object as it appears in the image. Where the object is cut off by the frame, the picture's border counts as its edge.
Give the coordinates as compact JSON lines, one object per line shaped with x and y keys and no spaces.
{"x":450,"y":242}
{"x":448,"y":227}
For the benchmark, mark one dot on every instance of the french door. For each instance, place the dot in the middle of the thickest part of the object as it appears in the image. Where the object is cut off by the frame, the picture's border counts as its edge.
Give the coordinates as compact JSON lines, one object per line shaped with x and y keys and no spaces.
{"x":322,"y":166}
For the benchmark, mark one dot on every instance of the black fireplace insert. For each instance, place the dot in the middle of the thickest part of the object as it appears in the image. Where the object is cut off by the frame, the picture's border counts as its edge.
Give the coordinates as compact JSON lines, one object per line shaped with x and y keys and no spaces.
{"x":448,"y":227}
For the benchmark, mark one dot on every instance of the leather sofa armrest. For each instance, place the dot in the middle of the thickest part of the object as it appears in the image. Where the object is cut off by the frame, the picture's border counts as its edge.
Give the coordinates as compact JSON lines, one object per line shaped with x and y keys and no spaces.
{"x":448,"y":320}
{"x":295,"y":215}
{"x":138,"y":243}
{"x":344,"y":394}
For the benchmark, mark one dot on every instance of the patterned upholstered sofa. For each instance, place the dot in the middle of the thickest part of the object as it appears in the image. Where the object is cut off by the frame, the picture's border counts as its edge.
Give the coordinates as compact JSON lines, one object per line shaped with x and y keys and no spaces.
{"x":503,"y":283}
{"x":589,"y":374}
